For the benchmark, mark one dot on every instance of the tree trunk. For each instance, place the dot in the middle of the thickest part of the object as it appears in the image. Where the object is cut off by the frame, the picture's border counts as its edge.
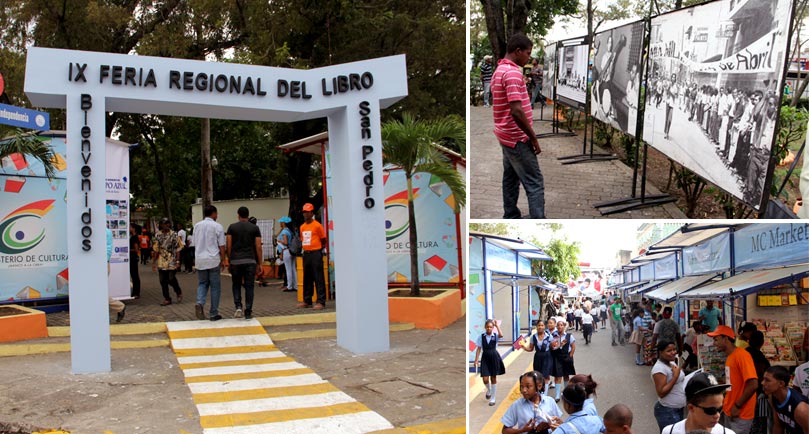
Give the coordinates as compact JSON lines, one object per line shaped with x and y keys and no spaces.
{"x":414,"y":239}
{"x":207,"y":170}
{"x":495,"y":27}
{"x":518,"y":18}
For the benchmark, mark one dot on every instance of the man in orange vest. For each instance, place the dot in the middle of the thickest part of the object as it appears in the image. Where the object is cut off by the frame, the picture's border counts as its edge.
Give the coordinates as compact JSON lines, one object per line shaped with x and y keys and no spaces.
{"x":145,"y":247}
{"x":313,"y":240}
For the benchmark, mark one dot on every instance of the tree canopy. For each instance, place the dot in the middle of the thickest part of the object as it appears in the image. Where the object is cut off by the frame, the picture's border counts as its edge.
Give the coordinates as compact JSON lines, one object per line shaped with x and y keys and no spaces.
{"x":284,"y":33}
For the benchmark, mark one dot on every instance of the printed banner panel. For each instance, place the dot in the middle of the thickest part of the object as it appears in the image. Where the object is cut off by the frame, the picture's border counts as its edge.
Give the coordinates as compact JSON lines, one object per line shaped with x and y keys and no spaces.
{"x":666,"y":268}
{"x":714,"y":90}
{"x":475,"y":309}
{"x":771,"y":245}
{"x":616,"y":76}
{"x":647,"y":271}
{"x":572,"y":75}
{"x":33,"y":244}
{"x":435,"y":218}
{"x":549,"y":71}
{"x":712,"y":255}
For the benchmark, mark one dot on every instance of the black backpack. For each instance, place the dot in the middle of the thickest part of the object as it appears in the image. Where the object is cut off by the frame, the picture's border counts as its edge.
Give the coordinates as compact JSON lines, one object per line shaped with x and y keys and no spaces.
{"x":295,"y":246}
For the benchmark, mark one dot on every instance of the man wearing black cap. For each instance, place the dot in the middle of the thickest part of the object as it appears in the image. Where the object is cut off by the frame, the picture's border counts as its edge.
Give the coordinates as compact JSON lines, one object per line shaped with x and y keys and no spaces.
{"x":740,"y":402}
{"x":245,"y":256}
{"x":704,"y":396}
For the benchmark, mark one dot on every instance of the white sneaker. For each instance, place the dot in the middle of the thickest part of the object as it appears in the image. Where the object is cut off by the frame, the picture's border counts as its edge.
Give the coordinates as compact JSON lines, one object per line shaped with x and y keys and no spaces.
{"x":492,"y":402}
{"x":238,"y":314}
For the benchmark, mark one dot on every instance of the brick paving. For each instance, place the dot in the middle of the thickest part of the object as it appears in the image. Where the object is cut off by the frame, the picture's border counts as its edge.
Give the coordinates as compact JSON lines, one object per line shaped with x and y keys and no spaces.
{"x":269,"y":300}
{"x":570,"y":190}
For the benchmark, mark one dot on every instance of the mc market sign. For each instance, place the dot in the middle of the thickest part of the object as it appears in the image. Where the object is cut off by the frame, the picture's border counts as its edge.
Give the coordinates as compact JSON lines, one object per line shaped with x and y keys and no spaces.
{"x":350,"y":96}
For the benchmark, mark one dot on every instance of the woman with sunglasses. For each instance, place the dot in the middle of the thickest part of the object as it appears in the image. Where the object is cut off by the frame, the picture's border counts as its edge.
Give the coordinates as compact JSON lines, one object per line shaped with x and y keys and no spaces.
{"x":541,"y":345}
{"x":533,"y":413}
{"x":704,"y":397}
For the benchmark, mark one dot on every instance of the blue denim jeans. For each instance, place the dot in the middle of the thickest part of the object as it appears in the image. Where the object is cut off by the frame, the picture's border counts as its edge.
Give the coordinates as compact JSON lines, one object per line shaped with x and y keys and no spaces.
{"x":520,"y":165}
{"x":667,"y":416}
{"x":209,"y":278}
{"x":487,"y":91}
{"x":243,"y":275}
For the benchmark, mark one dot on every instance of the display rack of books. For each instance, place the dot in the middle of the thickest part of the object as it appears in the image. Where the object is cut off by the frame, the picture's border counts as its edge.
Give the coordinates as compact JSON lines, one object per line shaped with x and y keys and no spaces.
{"x":794,"y":332}
{"x":711,"y":360}
{"x":777,"y":347}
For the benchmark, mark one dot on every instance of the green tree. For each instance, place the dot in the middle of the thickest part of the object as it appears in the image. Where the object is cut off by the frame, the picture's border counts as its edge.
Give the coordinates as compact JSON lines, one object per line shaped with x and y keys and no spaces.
{"x":532,"y":17}
{"x":30,"y":146}
{"x":565,"y":261}
{"x":502,"y":229}
{"x":412,"y":145}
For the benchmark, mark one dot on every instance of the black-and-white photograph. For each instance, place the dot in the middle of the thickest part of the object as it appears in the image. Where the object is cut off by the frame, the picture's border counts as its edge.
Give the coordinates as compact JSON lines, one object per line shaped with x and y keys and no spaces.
{"x":616,"y":76}
{"x":571,"y":85}
{"x":714,"y":90}
{"x":549,"y":71}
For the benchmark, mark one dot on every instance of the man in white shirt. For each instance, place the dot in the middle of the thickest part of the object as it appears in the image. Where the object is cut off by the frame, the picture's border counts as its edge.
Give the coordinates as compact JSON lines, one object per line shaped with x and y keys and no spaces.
{"x":182,"y":234}
{"x":209,"y":239}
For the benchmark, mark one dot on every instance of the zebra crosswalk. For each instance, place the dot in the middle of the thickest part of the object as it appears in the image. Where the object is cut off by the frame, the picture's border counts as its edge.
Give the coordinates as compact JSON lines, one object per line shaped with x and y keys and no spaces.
{"x":242,"y":383}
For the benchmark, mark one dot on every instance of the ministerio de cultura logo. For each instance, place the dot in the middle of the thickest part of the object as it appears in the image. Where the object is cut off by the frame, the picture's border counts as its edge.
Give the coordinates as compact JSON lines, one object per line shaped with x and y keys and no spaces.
{"x":22,"y":229}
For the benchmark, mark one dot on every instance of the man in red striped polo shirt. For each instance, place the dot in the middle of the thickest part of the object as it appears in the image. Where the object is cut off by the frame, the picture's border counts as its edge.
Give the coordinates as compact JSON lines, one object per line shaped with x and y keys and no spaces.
{"x":513,"y":129}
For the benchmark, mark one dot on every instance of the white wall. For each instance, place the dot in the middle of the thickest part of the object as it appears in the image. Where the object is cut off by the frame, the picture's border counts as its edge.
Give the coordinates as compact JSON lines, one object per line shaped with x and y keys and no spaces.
{"x":262,"y":209}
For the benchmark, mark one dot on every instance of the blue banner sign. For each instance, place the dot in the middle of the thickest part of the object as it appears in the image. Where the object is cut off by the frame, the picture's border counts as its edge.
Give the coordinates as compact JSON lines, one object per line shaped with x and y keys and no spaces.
{"x":711,"y":255}
{"x":771,"y":245}
{"x":24,"y":118}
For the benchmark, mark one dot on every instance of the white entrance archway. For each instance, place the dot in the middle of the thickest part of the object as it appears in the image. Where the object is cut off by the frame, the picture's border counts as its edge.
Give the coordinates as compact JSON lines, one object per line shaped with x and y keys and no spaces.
{"x":351,"y":95}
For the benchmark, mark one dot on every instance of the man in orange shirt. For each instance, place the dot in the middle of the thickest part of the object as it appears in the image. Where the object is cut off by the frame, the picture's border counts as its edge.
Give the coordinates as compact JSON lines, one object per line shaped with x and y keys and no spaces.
{"x":313,"y":240}
{"x":740,"y":402}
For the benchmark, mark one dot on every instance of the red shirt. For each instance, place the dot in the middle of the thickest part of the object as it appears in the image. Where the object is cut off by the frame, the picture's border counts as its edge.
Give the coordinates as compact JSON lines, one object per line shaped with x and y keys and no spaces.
{"x":508,"y":85}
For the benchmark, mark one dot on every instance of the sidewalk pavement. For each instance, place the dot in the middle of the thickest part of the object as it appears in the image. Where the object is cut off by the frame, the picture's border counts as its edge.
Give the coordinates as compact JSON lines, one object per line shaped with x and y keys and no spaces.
{"x":570,"y":190}
{"x":417,"y":386}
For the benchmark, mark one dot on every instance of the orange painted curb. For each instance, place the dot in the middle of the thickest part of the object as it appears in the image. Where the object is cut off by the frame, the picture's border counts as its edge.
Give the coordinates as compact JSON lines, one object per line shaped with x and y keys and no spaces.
{"x":426,"y":312}
{"x":28,"y":324}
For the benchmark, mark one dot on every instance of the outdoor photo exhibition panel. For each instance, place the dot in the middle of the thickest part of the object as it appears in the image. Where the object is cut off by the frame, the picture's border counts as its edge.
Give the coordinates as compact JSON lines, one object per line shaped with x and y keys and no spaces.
{"x":714,"y":80}
{"x":616,"y":76}
{"x":549,"y":70}
{"x":571,"y":85}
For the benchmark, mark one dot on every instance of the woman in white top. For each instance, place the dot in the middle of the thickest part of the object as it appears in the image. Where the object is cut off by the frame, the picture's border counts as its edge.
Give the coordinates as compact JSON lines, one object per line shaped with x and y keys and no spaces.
{"x":587,"y":326}
{"x":668,"y":380}
{"x":704,"y":396}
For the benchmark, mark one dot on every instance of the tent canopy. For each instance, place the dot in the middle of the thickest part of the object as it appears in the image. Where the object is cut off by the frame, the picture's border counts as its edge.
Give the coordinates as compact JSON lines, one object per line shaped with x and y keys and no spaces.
{"x":689,"y":235}
{"x":748,"y":282}
{"x":523,"y":248}
{"x":649,"y":286}
{"x":521,"y":280}
{"x":669,"y":292}
{"x":651,"y":256}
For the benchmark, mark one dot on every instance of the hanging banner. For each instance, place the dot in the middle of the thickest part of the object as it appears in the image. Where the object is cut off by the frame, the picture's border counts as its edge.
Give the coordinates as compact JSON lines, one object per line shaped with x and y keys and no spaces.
{"x":476,"y":297}
{"x":771,"y":245}
{"x":711,"y":255}
{"x":117,"y":184}
{"x":33,"y":209}
{"x":666,"y":268}
{"x":635,"y":275}
{"x":647,"y":271}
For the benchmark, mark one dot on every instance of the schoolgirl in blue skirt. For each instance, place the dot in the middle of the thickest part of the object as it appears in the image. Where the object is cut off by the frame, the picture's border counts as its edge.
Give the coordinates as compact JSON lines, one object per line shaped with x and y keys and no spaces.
{"x":543,"y":361}
{"x":491,"y":364}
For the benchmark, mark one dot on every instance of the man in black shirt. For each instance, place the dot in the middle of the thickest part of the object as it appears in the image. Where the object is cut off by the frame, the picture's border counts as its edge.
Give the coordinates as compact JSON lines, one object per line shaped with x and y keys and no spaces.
{"x":244,"y":252}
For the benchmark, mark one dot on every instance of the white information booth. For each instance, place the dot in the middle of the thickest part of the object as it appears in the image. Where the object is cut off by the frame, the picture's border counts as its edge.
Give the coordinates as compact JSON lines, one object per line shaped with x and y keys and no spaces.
{"x":351,"y":95}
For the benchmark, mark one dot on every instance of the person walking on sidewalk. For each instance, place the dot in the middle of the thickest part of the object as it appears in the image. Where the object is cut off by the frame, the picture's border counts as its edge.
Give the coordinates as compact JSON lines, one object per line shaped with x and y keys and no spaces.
{"x":617,"y":322}
{"x":245,"y":258}
{"x":515,"y":132}
{"x":490,"y":363}
{"x":541,"y":345}
{"x":486,"y":71}
{"x":166,"y":248}
{"x":563,"y":347}
{"x":587,"y":326}
{"x":209,"y":237}
{"x":313,"y":240}
{"x":284,"y":238}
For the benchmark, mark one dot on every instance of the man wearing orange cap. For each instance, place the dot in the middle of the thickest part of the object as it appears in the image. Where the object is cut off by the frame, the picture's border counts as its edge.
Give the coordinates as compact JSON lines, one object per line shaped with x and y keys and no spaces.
{"x":740,"y":402}
{"x":313,"y":240}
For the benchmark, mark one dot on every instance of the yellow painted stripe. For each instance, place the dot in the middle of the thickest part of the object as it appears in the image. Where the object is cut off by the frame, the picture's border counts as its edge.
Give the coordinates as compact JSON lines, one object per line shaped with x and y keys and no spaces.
{"x":219,"y":332}
{"x":494,"y":424}
{"x":241,"y":419}
{"x":447,"y":426}
{"x":275,"y":392}
{"x":116,"y":329}
{"x":120,"y":345}
{"x":327,"y":333}
{"x":31,"y":349}
{"x":236,"y":362}
{"x":248,"y":375}
{"x":224,"y":350}
{"x":312,"y":318}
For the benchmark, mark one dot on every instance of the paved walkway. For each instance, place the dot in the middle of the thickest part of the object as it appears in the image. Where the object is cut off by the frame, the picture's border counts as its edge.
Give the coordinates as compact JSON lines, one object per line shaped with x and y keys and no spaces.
{"x":570,"y":190}
{"x":241,"y":383}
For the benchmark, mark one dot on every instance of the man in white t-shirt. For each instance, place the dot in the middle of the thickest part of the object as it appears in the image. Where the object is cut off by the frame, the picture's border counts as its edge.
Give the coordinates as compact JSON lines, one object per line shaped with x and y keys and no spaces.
{"x":801,"y":379}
